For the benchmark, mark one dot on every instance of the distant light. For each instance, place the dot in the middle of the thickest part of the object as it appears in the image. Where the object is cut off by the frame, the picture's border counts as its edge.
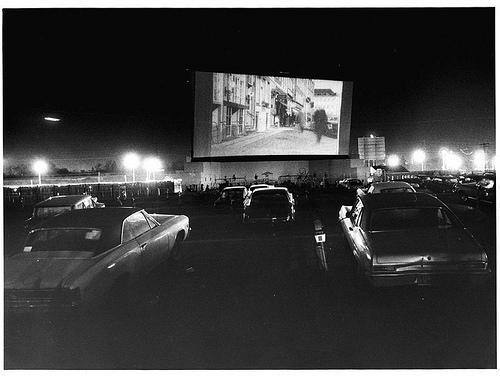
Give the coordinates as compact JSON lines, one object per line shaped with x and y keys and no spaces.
{"x":131,"y":161}
{"x":393,"y":160}
{"x":419,"y":156}
{"x":479,"y":160}
{"x":152,"y":164}
{"x":372,"y":136}
{"x":48,"y":118}
{"x":453,"y":161}
{"x":40,"y":167}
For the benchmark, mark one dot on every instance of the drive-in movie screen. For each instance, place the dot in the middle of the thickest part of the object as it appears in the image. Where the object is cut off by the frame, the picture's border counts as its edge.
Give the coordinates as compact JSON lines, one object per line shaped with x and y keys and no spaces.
{"x":250,"y":115}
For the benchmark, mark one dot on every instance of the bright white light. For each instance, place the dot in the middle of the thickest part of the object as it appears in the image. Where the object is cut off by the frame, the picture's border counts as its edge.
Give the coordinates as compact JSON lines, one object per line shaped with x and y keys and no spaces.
{"x":48,"y":118}
{"x":152,"y":164}
{"x":419,"y":156}
{"x":453,"y":161}
{"x":393,"y":160}
{"x":372,"y":136}
{"x":131,"y":161}
{"x":444,"y":153}
{"x":479,"y":160}
{"x":40,"y":167}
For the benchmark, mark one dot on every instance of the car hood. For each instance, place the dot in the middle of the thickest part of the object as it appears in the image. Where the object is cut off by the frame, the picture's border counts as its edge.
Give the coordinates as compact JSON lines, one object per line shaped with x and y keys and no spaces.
{"x":43,"y":270}
{"x":433,"y":245}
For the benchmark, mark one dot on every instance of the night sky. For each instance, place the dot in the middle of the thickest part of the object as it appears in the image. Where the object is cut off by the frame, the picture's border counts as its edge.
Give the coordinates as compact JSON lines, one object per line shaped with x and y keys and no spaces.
{"x":119,"y":78}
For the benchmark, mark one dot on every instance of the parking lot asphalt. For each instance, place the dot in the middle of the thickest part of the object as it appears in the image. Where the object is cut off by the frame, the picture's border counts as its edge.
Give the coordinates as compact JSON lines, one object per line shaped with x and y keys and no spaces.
{"x":253,"y":297}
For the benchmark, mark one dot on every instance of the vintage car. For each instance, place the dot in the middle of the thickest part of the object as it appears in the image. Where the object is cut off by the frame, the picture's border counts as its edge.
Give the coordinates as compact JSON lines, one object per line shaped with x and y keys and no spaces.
{"x":391,"y":187}
{"x":410,"y":239}
{"x":60,"y":204}
{"x":83,"y":258}
{"x":231,"y":198}
{"x":269,"y":205}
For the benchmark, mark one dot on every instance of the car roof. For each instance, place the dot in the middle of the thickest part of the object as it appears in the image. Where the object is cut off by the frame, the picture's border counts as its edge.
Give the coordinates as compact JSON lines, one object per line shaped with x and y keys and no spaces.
{"x":398,"y":200}
{"x":62,"y":200}
{"x":235,"y":187}
{"x":96,"y":218}
{"x":271,"y":189}
{"x":391,"y":184}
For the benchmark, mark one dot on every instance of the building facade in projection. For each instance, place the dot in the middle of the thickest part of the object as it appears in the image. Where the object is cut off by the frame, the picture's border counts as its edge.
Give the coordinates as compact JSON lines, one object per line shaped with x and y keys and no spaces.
{"x":243,"y":104}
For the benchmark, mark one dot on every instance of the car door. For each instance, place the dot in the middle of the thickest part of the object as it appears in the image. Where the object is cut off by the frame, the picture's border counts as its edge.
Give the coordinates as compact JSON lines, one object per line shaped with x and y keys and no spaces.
{"x":350,"y":224}
{"x":360,"y":247}
{"x":136,"y":227}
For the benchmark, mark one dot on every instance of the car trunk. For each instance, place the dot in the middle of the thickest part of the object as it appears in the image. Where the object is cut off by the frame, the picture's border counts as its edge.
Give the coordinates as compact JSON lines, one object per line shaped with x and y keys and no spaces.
{"x":424,"y":246}
{"x":269,"y":209}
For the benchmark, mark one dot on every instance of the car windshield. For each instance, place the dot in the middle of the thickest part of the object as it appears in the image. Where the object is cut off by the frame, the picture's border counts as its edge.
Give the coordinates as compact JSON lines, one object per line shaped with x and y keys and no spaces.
{"x":397,"y":219}
{"x":67,"y":239}
{"x":43,"y":212}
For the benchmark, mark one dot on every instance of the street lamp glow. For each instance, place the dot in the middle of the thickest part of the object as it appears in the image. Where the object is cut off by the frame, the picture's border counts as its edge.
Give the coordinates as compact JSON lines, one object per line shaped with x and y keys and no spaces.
{"x":453,"y":161}
{"x":393,"y":160}
{"x":444,"y":154}
{"x":49,"y":118}
{"x":151,"y":165}
{"x":40,"y":167}
{"x":479,"y":160}
{"x":372,"y":136}
{"x":131,"y":161}
{"x":419,"y":157}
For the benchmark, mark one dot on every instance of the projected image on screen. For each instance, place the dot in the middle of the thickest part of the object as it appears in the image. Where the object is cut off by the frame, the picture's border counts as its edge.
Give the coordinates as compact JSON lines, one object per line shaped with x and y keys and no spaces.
{"x":250,"y":115}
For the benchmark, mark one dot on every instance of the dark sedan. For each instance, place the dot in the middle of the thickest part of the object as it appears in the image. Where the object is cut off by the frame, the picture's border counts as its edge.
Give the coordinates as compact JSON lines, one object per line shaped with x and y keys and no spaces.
{"x":410,"y":239}
{"x":269,"y":205}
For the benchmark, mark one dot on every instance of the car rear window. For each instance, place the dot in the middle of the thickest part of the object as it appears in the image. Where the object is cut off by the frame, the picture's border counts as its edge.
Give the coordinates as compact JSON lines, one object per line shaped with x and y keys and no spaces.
{"x":409,"y":218}
{"x":44,"y":212}
{"x":68,"y":239}
{"x":269,"y":198}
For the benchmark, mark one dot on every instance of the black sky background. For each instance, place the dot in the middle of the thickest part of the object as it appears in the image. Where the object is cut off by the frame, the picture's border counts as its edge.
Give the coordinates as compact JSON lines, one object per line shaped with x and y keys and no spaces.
{"x":120,"y":78}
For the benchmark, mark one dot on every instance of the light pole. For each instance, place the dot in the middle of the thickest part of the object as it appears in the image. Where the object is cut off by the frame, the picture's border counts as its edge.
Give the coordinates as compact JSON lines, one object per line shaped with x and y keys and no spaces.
{"x":151,"y":165}
{"x":444,"y":153}
{"x":419,"y":157}
{"x":131,"y":161}
{"x":40,"y":167}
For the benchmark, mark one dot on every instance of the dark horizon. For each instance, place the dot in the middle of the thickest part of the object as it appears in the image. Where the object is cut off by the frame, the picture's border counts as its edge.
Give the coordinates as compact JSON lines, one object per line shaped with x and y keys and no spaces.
{"x":120,"y":78}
